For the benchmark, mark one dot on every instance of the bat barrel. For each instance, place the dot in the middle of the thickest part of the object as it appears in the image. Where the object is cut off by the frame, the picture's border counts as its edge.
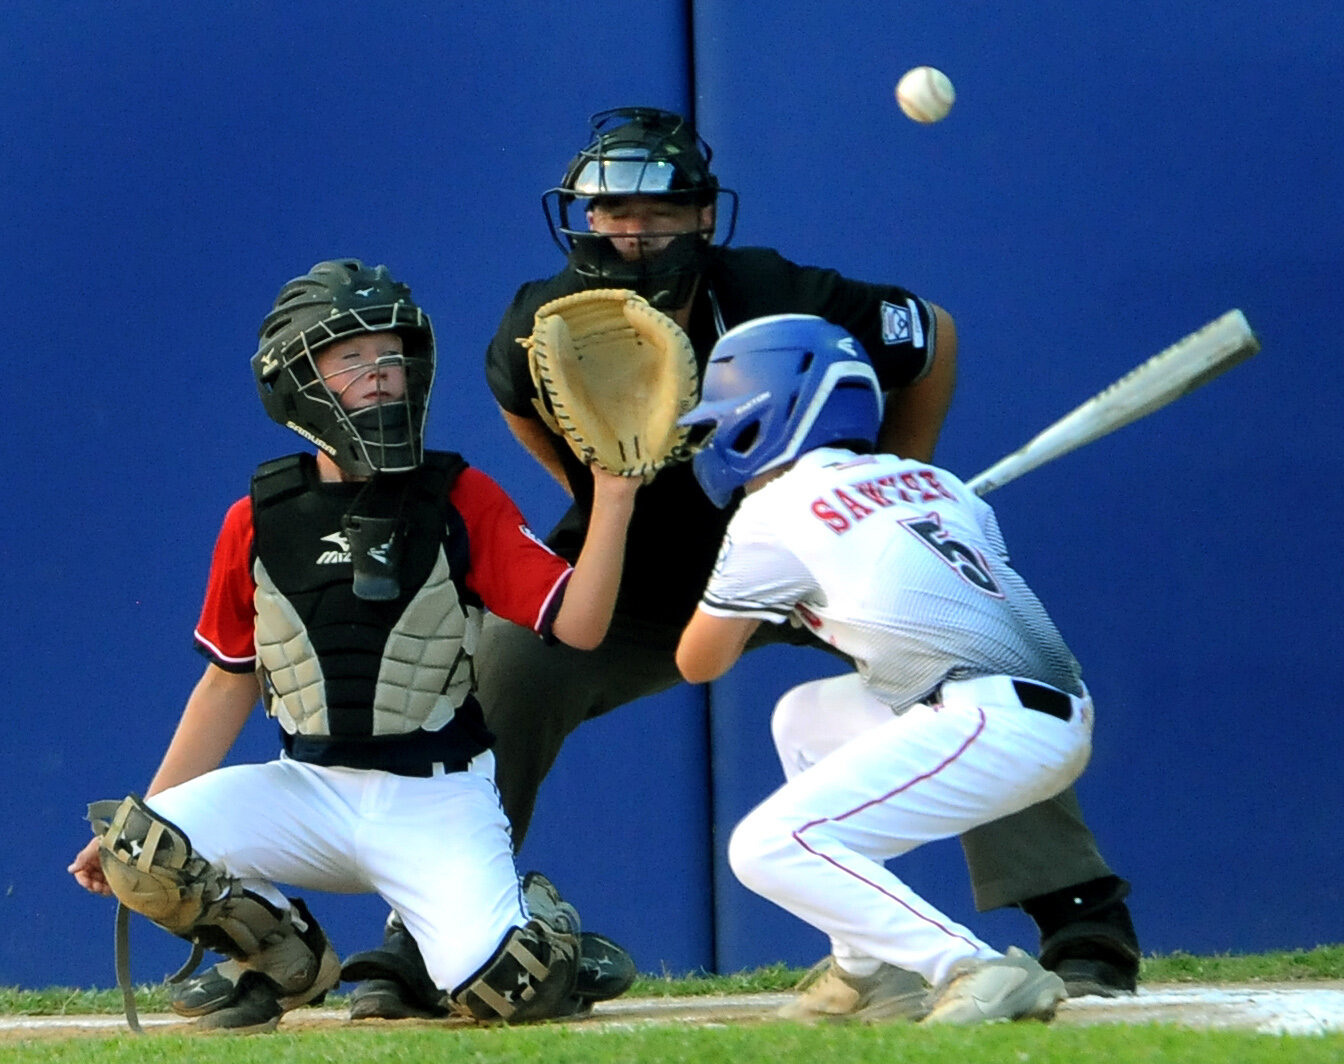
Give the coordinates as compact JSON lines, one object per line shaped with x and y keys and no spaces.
{"x":1176,"y":371}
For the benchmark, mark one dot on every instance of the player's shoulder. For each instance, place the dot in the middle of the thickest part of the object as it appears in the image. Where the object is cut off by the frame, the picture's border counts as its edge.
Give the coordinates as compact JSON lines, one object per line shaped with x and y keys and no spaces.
{"x":737,"y":262}
{"x":474,"y":489}
{"x":530,"y":296}
{"x":239,"y":512}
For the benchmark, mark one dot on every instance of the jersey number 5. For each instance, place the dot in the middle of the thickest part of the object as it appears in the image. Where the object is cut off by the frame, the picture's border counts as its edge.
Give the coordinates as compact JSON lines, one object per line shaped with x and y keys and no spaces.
{"x":965,"y":561}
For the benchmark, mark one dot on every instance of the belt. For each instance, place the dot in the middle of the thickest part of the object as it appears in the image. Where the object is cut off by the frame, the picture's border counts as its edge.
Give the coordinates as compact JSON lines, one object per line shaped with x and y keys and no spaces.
{"x":413,"y":754}
{"x":1044,"y":699}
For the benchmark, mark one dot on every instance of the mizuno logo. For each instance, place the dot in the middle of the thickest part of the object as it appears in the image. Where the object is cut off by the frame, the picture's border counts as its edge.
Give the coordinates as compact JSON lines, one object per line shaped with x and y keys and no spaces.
{"x":339,"y":556}
{"x":364,"y":292}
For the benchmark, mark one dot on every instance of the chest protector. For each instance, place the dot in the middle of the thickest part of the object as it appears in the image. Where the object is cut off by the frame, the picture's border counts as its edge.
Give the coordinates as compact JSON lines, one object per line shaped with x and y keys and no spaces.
{"x":334,"y":666}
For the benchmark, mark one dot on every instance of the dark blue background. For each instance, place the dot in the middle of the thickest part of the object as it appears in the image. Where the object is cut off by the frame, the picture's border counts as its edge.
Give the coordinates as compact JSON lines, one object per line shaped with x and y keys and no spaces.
{"x":1112,"y":177}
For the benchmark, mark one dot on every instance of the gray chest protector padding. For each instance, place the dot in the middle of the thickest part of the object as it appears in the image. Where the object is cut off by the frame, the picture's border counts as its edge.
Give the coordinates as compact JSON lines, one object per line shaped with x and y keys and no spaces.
{"x":424,"y":675}
{"x":152,"y":869}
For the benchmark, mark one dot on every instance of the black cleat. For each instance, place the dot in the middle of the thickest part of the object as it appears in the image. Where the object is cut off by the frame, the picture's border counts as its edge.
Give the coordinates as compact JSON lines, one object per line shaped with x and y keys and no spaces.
{"x":606,"y":970}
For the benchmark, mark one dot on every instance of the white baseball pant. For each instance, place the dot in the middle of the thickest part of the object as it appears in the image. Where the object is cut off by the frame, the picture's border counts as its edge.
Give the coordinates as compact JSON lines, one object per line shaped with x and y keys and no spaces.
{"x":865,"y":785}
{"x":436,"y":849}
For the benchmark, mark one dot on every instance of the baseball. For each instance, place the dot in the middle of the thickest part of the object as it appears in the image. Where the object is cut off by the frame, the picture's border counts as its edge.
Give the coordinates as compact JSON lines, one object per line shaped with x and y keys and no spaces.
{"x":925,"y":94}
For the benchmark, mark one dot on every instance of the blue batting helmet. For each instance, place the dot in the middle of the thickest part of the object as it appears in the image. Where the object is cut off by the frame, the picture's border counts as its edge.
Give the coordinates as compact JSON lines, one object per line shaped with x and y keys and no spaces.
{"x":776,"y":388}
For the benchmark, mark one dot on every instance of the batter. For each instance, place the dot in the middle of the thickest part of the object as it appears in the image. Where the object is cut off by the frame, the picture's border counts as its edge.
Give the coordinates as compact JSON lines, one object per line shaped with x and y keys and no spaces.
{"x":966,"y":705}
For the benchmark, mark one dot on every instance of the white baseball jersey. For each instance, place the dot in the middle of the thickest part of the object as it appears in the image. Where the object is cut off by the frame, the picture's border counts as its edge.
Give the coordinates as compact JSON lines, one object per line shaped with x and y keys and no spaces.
{"x":897,"y":564}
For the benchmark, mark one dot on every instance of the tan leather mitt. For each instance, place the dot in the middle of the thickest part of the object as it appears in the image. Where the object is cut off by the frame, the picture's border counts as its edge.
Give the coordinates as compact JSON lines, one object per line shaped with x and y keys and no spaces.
{"x":612,"y":376}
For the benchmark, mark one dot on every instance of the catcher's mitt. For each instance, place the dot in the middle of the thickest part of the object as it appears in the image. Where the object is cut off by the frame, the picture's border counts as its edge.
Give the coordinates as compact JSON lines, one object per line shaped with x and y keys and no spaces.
{"x":613,"y":375}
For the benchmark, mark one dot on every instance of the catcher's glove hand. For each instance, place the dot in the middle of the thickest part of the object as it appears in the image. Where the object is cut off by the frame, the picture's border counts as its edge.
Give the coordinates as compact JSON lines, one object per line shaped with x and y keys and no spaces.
{"x":613,"y":375}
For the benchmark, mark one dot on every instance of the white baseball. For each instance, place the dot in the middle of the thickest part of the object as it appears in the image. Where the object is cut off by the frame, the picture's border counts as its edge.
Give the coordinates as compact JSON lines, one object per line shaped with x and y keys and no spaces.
{"x":925,"y":94}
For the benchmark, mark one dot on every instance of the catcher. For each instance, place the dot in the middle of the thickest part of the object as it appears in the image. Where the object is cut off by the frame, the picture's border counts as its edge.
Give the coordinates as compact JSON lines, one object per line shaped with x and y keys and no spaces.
{"x":347,"y":594}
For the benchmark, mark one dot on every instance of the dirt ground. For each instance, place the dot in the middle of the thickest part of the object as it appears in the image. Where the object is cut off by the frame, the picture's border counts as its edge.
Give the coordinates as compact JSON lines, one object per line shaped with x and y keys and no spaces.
{"x":1288,"y":1008}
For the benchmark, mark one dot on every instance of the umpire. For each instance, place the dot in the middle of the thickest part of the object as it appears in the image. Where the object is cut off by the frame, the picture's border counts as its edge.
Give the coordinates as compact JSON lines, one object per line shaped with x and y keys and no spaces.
{"x":638,"y":208}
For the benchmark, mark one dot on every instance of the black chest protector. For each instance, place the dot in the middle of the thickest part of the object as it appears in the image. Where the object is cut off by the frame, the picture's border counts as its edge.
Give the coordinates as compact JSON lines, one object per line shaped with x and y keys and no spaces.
{"x":366,"y":682}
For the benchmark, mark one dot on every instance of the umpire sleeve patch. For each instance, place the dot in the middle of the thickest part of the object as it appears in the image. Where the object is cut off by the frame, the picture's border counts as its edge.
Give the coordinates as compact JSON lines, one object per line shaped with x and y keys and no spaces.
{"x":900,"y":324}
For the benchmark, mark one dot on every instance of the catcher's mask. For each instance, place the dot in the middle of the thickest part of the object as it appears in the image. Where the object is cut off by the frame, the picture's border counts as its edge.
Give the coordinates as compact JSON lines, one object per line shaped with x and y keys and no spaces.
{"x":776,"y":388}
{"x":333,"y":301}
{"x":638,"y":151}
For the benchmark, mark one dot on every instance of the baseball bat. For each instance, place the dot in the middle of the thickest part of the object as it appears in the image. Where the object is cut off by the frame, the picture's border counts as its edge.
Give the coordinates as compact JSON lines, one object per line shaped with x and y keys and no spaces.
{"x":1180,"y":369}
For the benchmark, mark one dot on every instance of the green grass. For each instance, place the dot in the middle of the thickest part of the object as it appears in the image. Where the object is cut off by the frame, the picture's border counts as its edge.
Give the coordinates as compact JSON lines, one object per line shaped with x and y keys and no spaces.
{"x":1321,"y":963}
{"x":663,"y":1044}
{"x":746,"y":1043}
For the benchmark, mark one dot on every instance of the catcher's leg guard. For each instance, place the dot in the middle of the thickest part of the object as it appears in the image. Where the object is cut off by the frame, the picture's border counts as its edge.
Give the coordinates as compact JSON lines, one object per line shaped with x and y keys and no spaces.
{"x":530,"y":977}
{"x":221,"y":985}
{"x":1088,"y":937}
{"x":151,"y":867}
{"x":605,"y":969}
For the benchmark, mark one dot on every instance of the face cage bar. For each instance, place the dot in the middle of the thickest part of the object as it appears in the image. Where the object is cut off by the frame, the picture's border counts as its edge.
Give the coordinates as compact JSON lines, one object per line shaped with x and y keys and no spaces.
{"x":563,"y":233}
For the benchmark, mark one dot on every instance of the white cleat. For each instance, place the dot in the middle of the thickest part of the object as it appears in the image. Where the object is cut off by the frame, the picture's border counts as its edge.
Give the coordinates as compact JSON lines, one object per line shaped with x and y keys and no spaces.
{"x":1012,"y":987}
{"x":828,"y":992}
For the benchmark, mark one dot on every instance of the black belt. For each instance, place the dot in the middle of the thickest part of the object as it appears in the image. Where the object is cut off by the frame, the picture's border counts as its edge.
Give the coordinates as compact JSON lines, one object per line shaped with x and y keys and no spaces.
{"x":402,"y":755}
{"x":1044,"y":699}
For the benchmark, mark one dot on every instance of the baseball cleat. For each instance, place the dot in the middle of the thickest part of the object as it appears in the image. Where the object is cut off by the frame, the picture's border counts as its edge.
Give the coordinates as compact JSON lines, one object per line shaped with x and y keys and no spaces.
{"x":387,"y":999}
{"x":1011,"y":987}
{"x":255,"y":1009}
{"x":606,"y":970}
{"x":828,"y":992}
{"x":1084,"y":977}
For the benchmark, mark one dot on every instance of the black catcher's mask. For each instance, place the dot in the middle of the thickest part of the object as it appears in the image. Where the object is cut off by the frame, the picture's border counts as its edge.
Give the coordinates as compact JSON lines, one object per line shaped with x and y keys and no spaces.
{"x":334,"y":301}
{"x":638,"y":151}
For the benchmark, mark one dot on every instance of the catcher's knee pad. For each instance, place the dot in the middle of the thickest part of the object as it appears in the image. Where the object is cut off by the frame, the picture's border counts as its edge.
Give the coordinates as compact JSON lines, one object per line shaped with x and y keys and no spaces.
{"x":544,"y":902}
{"x":530,"y":977}
{"x":152,"y":869}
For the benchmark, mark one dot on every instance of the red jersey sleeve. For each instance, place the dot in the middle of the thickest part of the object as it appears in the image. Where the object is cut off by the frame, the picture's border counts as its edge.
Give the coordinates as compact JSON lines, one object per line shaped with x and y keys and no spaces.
{"x":225,"y":632}
{"x":517,"y":576}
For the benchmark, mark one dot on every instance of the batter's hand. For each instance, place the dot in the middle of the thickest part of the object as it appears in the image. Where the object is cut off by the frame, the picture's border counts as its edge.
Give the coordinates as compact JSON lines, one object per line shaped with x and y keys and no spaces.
{"x":88,"y":870}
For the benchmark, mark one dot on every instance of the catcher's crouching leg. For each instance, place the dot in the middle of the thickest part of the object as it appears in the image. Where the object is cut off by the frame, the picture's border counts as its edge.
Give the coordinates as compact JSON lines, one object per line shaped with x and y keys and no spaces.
{"x":530,"y":977}
{"x":394,"y":984}
{"x":282,"y":957}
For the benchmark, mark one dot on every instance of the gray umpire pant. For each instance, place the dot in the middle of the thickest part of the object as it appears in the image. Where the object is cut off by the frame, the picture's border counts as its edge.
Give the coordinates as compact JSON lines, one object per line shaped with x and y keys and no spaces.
{"x":534,"y":695}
